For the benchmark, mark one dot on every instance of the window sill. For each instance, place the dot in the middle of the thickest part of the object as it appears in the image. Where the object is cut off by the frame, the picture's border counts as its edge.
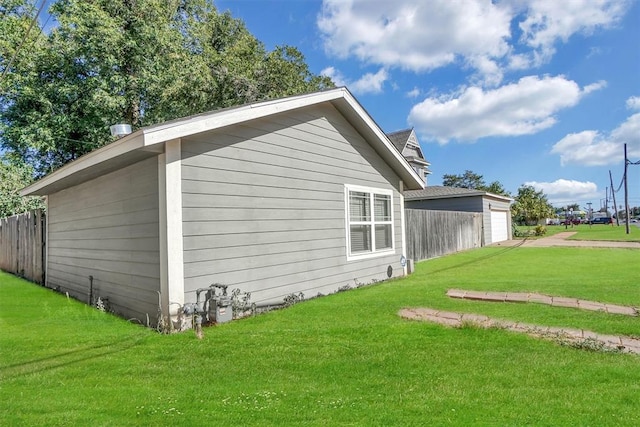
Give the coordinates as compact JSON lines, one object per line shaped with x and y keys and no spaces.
{"x":368,"y":255}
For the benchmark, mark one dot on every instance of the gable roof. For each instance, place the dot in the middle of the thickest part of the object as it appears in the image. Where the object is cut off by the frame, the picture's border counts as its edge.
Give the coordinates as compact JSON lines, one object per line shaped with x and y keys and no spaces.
{"x":407,"y":138}
{"x":399,"y":138}
{"x":441,"y":192}
{"x":149,"y":141}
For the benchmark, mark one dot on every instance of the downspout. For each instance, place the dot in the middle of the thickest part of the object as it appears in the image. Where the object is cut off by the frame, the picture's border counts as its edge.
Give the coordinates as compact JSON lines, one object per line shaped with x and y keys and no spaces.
{"x":90,"y":290}
{"x":403,"y":228}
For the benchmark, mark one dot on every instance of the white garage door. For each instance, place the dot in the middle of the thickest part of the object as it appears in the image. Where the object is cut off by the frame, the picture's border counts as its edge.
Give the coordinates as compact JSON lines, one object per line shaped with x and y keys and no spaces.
{"x":499,"y":229}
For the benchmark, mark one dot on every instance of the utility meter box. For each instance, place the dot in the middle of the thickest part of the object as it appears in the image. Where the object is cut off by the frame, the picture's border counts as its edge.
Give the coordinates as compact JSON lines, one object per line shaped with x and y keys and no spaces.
{"x":220,"y":310}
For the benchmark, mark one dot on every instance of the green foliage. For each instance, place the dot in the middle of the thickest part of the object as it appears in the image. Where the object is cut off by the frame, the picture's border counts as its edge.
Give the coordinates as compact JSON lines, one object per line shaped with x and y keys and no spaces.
{"x":473,"y":181}
{"x":142,"y":62}
{"x":540,"y":230}
{"x":13,"y":177}
{"x":530,"y":206}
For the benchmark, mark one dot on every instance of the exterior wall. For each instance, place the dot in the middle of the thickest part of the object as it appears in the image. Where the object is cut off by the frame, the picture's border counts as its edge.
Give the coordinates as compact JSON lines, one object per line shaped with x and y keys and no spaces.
{"x":466,"y":204}
{"x":461,"y":204}
{"x":108,"y":228}
{"x":494,"y":205}
{"x":264,"y":206}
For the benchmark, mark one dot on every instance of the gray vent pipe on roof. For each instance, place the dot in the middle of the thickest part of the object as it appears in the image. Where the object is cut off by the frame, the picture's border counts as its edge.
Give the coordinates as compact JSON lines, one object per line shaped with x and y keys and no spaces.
{"x":120,"y":130}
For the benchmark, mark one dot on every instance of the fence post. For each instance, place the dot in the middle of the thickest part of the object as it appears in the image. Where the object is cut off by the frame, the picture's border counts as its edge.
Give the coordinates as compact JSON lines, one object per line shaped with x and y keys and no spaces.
{"x":23,"y":243}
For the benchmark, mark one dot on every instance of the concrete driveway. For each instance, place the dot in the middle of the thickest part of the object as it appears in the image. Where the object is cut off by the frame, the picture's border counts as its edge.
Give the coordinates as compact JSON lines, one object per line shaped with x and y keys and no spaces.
{"x":560,"y":239}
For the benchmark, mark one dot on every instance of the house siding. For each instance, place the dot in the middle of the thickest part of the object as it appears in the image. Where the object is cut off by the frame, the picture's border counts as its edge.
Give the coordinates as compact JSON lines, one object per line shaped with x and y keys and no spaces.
{"x":462,"y":204}
{"x":481,"y":204}
{"x":108,"y":228}
{"x":495,"y":205}
{"x":264,"y":206}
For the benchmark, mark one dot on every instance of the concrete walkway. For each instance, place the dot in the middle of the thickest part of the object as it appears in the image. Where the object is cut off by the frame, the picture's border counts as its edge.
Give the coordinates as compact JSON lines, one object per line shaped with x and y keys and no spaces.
{"x":575,"y":337}
{"x":524,"y":297}
{"x":560,"y":239}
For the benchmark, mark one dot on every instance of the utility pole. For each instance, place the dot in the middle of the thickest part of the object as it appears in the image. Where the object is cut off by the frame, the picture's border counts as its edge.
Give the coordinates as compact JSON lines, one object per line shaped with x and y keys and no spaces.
{"x":614,"y":199}
{"x":626,"y":190}
{"x":589,"y":214}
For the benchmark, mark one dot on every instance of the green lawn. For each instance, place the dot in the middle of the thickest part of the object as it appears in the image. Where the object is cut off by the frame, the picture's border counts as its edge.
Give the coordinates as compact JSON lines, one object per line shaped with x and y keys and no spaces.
{"x":344,"y":359}
{"x":606,"y":232}
{"x":591,"y":232}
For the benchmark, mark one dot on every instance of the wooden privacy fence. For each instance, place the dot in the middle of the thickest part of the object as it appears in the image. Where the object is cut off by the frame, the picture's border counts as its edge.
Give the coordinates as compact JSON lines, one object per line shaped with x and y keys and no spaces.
{"x":22,"y":240}
{"x":435,"y":233}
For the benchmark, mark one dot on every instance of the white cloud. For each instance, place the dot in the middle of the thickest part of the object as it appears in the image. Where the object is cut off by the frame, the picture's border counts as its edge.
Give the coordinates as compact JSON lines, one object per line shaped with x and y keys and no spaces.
{"x":633,"y":103}
{"x":422,"y":36}
{"x":368,"y":83}
{"x":594,"y":86}
{"x":414,"y":93}
{"x":591,"y":148}
{"x":521,"y":108}
{"x":629,"y":133}
{"x":566,"y":191}
{"x":334,"y":75}
{"x":548,"y":22}
{"x":588,"y":148}
{"x":417,"y":36}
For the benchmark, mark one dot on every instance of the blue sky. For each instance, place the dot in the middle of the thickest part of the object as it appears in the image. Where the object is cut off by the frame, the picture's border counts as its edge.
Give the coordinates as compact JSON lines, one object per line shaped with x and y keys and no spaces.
{"x":537,"y":92}
{"x":541,"y":92}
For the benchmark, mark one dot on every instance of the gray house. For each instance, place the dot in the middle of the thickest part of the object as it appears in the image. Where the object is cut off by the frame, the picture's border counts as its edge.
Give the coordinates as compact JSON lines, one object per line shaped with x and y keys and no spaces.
{"x":302,"y":194}
{"x":407,"y":143}
{"x":495,"y":209}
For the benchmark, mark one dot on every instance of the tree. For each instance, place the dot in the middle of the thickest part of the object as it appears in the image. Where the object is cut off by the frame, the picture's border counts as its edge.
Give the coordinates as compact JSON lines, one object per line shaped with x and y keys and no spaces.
{"x":473,"y":181}
{"x":13,"y":177}
{"x":135,"y":61}
{"x":530,"y":206}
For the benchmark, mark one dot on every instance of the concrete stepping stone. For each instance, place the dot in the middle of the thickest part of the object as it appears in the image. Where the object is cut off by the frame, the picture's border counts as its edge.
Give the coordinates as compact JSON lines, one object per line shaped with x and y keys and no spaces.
{"x":543,"y":299}
{"x":578,"y":337}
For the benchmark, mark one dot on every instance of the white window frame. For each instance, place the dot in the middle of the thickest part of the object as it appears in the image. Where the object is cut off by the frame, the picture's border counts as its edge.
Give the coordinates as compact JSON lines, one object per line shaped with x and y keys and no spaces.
{"x":372,"y":222}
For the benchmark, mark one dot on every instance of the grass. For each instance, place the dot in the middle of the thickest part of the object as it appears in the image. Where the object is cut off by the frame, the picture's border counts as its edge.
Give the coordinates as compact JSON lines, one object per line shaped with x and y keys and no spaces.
{"x":344,"y":359}
{"x":606,"y":232}
{"x":594,"y":232}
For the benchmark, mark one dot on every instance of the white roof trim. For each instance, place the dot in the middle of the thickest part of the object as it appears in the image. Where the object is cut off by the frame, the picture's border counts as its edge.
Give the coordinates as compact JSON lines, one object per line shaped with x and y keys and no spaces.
{"x":110,"y":151}
{"x":410,"y":176}
{"x":153,"y":137}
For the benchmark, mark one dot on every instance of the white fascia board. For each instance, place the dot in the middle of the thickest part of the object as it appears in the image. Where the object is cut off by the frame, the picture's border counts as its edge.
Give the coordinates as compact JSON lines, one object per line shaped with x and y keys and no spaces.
{"x":220,"y":119}
{"x":409,"y":175}
{"x":157,"y":135}
{"x":117,"y":148}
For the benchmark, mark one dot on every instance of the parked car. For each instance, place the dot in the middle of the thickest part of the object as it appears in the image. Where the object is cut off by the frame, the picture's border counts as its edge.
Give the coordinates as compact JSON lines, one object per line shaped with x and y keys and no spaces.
{"x":574,"y":221}
{"x":602,"y":220}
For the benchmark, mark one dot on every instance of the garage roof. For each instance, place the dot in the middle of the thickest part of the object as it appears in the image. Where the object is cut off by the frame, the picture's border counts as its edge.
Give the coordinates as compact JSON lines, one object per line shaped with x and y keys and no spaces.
{"x":149,"y":141}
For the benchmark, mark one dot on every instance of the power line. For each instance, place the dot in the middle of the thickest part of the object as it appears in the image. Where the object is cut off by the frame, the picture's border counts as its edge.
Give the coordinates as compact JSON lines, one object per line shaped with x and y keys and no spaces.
{"x":26,"y":36}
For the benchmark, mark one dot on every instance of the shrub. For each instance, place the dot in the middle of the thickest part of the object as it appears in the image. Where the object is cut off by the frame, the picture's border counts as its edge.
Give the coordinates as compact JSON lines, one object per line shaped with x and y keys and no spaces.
{"x":540,"y":230}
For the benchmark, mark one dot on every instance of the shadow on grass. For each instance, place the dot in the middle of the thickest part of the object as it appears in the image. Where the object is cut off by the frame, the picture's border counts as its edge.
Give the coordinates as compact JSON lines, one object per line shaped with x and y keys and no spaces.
{"x":68,"y":358}
{"x":480,"y":259}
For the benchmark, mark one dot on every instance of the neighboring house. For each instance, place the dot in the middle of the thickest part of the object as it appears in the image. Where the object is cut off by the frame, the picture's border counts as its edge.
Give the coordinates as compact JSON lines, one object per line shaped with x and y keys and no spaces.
{"x":301,"y":194}
{"x":407,"y":143}
{"x":494,"y":208}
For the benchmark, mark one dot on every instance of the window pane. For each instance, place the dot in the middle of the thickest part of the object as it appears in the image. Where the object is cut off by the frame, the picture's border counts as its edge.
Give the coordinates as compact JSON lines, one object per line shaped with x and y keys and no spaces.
{"x":359,"y":206}
{"x":360,"y":238}
{"x":383,"y":237}
{"x":382,"y":206}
